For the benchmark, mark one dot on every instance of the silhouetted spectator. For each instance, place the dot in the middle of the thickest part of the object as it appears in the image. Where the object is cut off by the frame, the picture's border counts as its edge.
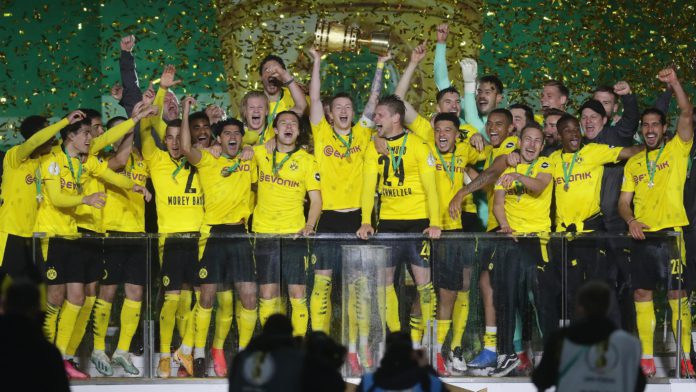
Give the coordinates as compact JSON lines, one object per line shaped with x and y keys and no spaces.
{"x":591,"y":354}
{"x":323,"y":359}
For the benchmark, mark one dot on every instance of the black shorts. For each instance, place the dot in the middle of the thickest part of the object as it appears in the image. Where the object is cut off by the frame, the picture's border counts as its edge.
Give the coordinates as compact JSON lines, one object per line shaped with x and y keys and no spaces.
{"x":657,"y":263}
{"x":179,"y":259}
{"x":450,"y":258}
{"x":690,"y":249}
{"x":471,"y":222}
{"x":92,"y":251}
{"x":413,"y":251}
{"x":18,"y":259}
{"x":328,"y":252}
{"x":486,"y":251}
{"x":528,"y":253}
{"x":125,"y":258}
{"x":64,"y":262}
{"x":281,"y":258}
{"x":226,"y":260}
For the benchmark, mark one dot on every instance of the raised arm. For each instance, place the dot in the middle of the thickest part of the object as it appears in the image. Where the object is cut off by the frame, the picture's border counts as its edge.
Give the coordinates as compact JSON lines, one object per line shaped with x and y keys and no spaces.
{"x":417,"y":55}
{"x":118,"y":161}
{"x":316,"y":108}
{"x":685,"y":125}
{"x":471,"y":114}
{"x":140,"y":111}
{"x":191,"y":153}
{"x":376,"y":87}
{"x":25,"y":149}
{"x":627,"y":126}
{"x":440,"y":71}
{"x":131,"y":93}
{"x":298,"y":96}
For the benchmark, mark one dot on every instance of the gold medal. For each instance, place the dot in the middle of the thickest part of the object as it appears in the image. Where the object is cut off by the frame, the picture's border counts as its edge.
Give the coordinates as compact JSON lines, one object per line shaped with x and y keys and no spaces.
{"x":566,"y":187}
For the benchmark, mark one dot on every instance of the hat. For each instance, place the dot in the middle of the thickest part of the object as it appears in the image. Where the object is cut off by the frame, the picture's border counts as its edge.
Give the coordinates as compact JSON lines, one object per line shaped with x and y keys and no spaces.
{"x":595,"y":105}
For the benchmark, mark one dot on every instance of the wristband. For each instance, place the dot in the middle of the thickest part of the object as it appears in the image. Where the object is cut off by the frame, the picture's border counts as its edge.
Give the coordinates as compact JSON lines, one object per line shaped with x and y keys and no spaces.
{"x":380,"y":65}
{"x":289,"y":82}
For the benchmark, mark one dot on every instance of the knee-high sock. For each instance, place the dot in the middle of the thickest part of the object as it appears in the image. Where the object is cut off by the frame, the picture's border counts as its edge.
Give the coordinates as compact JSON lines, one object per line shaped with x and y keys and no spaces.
{"x":645,"y":320}
{"x":517,"y":339}
{"x":300,"y":313}
{"x":223,"y":318}
{"x":237,"y":310}
{"x":247,"y":324}
{"x":167,"y":321}
{"x":189,"y":333}
{"x":682,"y":306}
{"x":428,"y":301}
{"x":416,"y":324}
{"x":268,"y":307}
{"x":392,"y":309}
{"x":363,"y":308}
{"x":51,"y":322}
{"x":460,"y":315}
{"x":319,"y":302}
{"x":352,"y":318}
{"x":183,"y":312}
{"x":202,"y":326}
{"x":130,"y":318}
{"x":80,"y":325}
{"x":102,"y":314}
{"x":443,"y":327}
{"x":66,"y":324}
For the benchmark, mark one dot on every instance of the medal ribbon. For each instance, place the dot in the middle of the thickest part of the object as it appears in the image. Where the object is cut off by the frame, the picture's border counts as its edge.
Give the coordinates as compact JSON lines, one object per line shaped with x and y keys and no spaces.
{"x":519,"y":188}
{"x":230,"y":170}
{"x":568,"y":168}
{"x":652,"y":168}
{"x":269,"y":119}
{"x":37,"y":180}
{"x":72,"y":171}
{"x":450,"y":171}
{"x":276,"y":168}
{"x":346,"y":144}
{"x":179,"y":167}
{"x":396,"y":162}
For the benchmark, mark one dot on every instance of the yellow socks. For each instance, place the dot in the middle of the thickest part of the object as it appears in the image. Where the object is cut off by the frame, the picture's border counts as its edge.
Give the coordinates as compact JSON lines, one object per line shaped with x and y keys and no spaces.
{"x":50,"y":322}
{"x":80,"y":325}
{"x":223,"y":317}
{"x":183,"y":312}
{"x":674,"y":304}
{"x":202,"y":325}
{"x":352,"y":318}
{"x":416,"y":323}
{"x":247,"y":324}
{"x":188,"y":338}
{"x":490,"y":338}
{"x":102,"y":313}
{"x":645,"y":319}
{"x":267,"y":307}
{"x":392,"y":309}
{"x":443,"y":327}
{"x":428,"y":301}
{"x":167,"y":320}
{"x":66,"y":324}
{"x":130,"y":318}
{"x":363,"y":308}
{"x":319,"y":303}
{"x":460,"y":315}
{"x":300,"y":313}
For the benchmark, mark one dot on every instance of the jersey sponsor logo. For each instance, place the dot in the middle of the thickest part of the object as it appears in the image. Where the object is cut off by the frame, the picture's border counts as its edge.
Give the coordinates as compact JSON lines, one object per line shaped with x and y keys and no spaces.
{"x":29,"y":179}
{"x":67,"y":184}
{"x":457,"y":169}
{"x":431,"y":160}
{"x":330,"y":151}
{"x":263,"y":177}
{"x":575,"y":177}
{"x":54,"y":168}
{"x":185,"y":200}
{"x":639,"y":178}
{"x":397,"y":192}
{"x":139,"y":177}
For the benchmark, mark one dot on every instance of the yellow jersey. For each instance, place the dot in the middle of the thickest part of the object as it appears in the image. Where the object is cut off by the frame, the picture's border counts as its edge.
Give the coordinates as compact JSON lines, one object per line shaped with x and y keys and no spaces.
{"x":527,"y":213}
{"x":490,"y":153}
{"x":340,"y":161}
{"x":125,"y":211}
{"x":450,"y":170}
{"x":252,"y":138}
{"x":226,"y":184}
{"x":281,"y":192}
{"x":405,"y":176}
{"x":578,"y":200}
{"x":661,"y":205}
{"x":63,"y":188}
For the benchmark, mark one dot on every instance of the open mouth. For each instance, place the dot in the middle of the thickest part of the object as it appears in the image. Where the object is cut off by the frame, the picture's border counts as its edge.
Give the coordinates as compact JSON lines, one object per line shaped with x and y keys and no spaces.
{"x":482,"y":102}
{"x":343,"y":119}
{"x":651,"y":138}
{"x":442,"y":142}
{"x":574,"y":143}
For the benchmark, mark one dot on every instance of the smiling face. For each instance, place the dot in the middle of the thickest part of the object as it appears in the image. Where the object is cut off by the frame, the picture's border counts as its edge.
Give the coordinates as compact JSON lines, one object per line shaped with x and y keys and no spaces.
{"x":570,"y":135}
{"x":287,"y":129}
{"x":385,"y":121}
{"x":551,"y":98}
{"x":342,"y":113}
{"x":230,"y":139}
{"x":449,"y":103}
{"x":81,"y":139}
{"x":446,"y":134}
{"x":96,"y":127}
{"x":531,"y":143}
{"x":172,"y":141}
{"x":498,"y":128}
{"x":487,"y":98}
{"x":592,"y":123}
{"x":653,"y":130}
{"x":201,"y":135}
{"x":271,"y":84}
{"x":171,"y":107}
{"x":255,"y":113}
{"x":608,"y":101}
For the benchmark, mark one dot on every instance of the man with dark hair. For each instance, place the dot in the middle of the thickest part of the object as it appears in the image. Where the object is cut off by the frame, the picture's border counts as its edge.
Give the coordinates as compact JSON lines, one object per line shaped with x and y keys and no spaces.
{"x":654,"y":185}
{"x":554,"y":95}
{"x":552,"y":140}
{"x":280,"y":88}
{"x":521,"y":116}
{"x":591,"y":354}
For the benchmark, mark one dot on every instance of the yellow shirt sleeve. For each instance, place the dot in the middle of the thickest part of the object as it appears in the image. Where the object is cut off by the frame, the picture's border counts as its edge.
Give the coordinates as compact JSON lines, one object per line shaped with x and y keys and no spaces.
{"x":312,"y":176}
{"x":602,"y":153}
{"x":25,"y":149}
{"x":101,"y":170}
{"x":51,"y":180}
{"x":427,"y":176}
{"x":627,"y":184}
{"x":110,"y":136}
{"x":422,"y":128}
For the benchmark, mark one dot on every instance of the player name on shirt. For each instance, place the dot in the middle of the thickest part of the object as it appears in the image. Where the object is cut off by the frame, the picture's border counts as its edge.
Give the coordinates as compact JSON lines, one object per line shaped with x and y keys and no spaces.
{"x":185,"y":200}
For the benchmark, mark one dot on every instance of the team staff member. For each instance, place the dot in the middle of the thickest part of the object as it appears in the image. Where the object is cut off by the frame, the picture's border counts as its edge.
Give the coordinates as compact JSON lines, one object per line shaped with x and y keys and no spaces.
{"x":522,"y":201}
{"x":21,"y":193}
{"x":63,"y":177}
{"x":124,"y":258}
{"x":409,"y":203}
{"x":339,"y":149}
{"x":286,"y":175}
{"x":499,"y":129}
{"x":454,"y":258}
{"x":179,"y":200}
{"x":226,"y":183}
{"x":654,"y":183}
